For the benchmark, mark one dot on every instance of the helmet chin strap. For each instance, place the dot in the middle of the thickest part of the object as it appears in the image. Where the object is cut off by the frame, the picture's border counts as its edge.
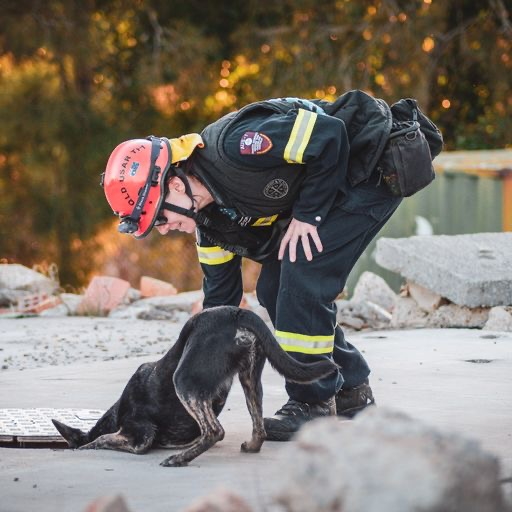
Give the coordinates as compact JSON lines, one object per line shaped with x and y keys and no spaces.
{"x":191,"y":213}
{"x":198,"y":217}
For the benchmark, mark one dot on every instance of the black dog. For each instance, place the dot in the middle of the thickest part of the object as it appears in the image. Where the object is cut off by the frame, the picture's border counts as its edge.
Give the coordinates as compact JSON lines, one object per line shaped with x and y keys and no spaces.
{"x":174,"y":402}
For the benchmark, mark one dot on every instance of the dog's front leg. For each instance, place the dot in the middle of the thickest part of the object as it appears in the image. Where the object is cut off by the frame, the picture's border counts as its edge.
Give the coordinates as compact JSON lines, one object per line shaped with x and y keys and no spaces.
{"x":174,"y":461}
{"x":204,"y":443}
{"x":211,"y":432}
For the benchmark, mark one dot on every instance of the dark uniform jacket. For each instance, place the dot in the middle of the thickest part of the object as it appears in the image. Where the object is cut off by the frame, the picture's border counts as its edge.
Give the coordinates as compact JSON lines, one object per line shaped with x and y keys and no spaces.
{"x":274,"y":160}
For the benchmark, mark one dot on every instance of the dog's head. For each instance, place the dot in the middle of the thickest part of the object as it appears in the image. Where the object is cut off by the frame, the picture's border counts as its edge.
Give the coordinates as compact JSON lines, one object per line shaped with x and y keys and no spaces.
{"x":74,"y":436}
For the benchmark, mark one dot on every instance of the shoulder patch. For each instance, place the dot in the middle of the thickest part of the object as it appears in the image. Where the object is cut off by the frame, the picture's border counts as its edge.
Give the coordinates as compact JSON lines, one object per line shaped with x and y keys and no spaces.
{"x":255,"y":143}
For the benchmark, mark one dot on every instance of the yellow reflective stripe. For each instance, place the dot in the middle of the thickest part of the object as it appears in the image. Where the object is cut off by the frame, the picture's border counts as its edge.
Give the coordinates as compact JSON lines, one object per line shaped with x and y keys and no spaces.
{"x":299,"y":138}
{"x":213,"y":255}
{"x":265,"y":221}
{"x":305,"y":344}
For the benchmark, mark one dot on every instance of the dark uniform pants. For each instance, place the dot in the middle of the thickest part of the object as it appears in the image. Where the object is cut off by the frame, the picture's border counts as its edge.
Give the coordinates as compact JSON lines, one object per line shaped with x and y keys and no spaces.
{"x":299,"y":297}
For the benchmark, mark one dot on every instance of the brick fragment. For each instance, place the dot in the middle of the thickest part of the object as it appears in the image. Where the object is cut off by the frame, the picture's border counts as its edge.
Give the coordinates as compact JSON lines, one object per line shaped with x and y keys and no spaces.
{"x":151,"y":287}
{"x":103,"y":294}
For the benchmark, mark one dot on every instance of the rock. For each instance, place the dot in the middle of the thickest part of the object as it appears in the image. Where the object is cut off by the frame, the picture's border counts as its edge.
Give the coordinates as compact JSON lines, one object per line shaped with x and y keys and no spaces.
{"x":151,"y":287}
{"x":17,"y":277}
{"x":103,"y":294}
{"x":469,"y":270}
{"x":59,"y":310}
{"x":422,"y":308}
{"x":69,"y":303}
{"x":407,"y":314}
{"x":171,"y":307}
{"x":132,"y":295}
{"x":500,"y":319}
{"x":10,"y":298}
{"x":371,"y":287}
{"x":18,"y":300}
{"x":453,"y":316}
{"x":362,"y":315}
{"x":221,"y":500}
{"x":385,"y":461}
{"x":197,"y":306}
{"x":426,"y":299}
{"x":108,"y":504}
{"x":352,"y":322}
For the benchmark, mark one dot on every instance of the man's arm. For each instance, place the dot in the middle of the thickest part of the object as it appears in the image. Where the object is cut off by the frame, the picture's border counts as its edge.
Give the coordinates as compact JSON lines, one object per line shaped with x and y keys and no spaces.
{"x":222,"y":281}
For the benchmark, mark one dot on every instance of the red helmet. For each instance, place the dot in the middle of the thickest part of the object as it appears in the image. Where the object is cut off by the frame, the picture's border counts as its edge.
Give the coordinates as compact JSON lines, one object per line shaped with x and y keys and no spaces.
{"x":135,"y":181}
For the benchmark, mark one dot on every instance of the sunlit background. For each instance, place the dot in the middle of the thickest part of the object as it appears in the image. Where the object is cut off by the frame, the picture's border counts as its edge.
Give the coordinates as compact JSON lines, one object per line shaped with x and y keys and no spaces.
{"x":77,"y":78}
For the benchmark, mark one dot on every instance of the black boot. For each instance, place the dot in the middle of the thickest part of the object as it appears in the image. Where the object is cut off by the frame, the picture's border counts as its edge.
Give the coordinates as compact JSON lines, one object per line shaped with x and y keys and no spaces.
{"x":353,"y":400}
{"x":287,"y":421}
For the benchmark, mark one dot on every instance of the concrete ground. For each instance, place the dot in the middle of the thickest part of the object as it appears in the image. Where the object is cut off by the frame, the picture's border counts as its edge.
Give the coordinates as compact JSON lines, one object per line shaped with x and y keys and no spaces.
{"x":458,"y":380}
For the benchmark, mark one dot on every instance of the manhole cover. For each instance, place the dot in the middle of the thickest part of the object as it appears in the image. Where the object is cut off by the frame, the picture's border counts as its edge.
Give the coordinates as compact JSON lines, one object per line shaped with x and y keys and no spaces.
{"x":33,"y":427}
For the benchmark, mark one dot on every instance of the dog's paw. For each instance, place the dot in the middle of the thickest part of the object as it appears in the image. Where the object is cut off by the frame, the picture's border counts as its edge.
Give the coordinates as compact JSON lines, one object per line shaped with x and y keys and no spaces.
{"x":174,"y":462}
{"x":250,"y":447}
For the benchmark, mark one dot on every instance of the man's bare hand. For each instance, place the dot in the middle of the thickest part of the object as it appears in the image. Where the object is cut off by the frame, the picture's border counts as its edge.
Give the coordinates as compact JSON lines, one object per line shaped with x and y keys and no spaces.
{"x":302,"y":230}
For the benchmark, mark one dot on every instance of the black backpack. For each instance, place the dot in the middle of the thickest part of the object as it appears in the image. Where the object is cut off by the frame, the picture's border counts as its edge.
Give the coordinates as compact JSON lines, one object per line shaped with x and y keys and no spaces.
{"x":404,"y":110}
{"x":406,"y":162}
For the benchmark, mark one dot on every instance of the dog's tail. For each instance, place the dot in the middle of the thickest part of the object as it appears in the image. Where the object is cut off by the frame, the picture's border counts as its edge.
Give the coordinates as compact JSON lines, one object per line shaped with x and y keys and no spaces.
{"x":282,"y":362}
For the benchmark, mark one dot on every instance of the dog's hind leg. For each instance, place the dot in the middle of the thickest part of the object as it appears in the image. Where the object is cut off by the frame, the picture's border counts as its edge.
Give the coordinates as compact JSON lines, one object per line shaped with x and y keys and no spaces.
{"x":211,"y":431}
{"x":250,"y":379}
{"x":138,"y":441}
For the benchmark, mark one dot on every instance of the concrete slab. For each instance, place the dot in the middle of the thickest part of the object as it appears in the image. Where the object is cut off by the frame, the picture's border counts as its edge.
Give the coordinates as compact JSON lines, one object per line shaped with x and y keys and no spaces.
{"x":470,"y":270}
{"x":458,"y":380}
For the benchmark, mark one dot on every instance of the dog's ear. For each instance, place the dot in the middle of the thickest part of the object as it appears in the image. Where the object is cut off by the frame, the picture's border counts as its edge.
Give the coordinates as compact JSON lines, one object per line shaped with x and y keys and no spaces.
{"x":74,"y":436}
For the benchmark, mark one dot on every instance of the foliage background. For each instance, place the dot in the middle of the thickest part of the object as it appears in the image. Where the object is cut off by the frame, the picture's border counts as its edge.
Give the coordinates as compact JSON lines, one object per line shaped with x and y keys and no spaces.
{"x":78,"y":77}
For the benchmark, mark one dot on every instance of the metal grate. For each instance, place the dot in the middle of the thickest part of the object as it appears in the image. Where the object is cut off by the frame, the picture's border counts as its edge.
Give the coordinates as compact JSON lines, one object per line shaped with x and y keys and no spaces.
{"x":24,"y":427}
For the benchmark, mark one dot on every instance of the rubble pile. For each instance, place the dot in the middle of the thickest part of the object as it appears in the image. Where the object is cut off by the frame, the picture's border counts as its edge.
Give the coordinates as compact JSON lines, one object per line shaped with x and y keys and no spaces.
{"x":375,"y":306}
{"x":460,"y":281}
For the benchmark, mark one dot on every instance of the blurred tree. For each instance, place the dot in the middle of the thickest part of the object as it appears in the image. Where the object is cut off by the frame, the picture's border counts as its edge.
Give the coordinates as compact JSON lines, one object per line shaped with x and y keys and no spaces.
{"x":76,"y":78}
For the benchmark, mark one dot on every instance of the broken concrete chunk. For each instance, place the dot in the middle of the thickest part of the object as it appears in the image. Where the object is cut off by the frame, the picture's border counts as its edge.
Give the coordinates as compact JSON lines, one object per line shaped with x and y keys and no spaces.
{"x":159,"y":308}
{"x":407,"y":314}
{"x":361,"y":315}
{"x":18,"y":277}
{"x":500,"y":319}
{"x":469,"y":270}
{"x":453,"y":316}
{"x":426,"y":299}
{"x":371,"y":287}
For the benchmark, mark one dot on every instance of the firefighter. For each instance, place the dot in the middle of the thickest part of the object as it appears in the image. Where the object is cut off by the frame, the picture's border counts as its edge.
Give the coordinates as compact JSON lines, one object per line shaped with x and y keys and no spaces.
{"x":289,"y":183}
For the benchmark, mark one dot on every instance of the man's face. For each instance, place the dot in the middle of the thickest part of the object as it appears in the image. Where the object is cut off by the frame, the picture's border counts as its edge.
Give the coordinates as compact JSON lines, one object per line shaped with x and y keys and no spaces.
{"x":171,"y":221}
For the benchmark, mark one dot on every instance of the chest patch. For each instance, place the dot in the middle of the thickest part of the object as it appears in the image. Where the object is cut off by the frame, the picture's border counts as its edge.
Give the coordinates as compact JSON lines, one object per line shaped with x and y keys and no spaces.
{"x":276,"y":189}
{"x":254,"y":143}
